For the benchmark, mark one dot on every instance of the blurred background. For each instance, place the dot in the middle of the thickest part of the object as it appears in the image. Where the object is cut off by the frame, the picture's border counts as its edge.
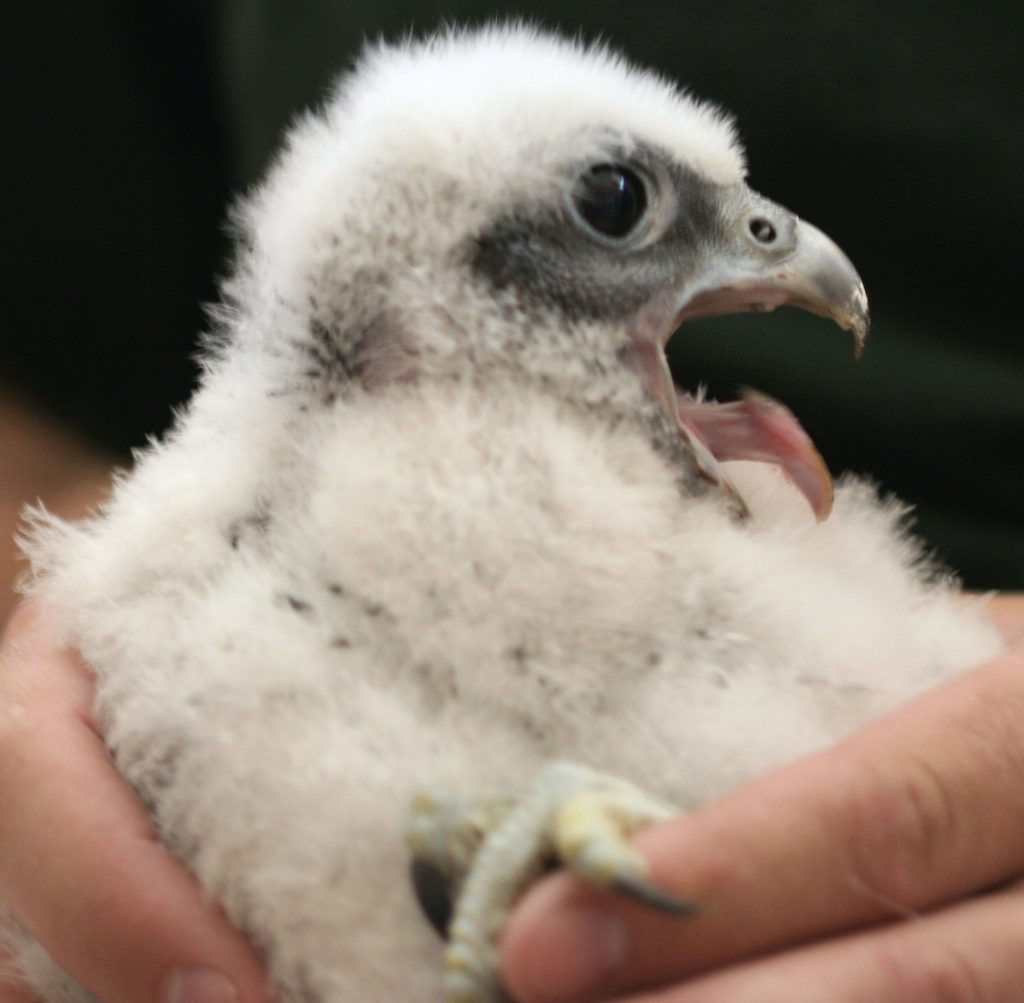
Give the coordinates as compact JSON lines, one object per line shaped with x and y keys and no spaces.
{"x":895,"y":127}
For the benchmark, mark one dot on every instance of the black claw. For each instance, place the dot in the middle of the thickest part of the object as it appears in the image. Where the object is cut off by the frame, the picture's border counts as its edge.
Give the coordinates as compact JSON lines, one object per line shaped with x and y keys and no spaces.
{"x":646,"y":894}
{"x":433,"y":892}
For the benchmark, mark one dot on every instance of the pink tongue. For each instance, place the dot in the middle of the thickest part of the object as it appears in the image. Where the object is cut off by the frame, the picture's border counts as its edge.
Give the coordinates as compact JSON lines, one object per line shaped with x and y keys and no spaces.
{"x":758,"y":427}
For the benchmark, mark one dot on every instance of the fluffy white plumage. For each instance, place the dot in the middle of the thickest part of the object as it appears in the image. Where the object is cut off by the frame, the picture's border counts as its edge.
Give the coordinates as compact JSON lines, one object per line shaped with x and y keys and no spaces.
{"x":413,"y":530}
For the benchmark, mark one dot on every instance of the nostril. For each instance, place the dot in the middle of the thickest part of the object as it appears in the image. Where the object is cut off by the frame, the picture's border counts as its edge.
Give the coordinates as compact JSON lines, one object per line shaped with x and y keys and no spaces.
{"x":763,"y":231}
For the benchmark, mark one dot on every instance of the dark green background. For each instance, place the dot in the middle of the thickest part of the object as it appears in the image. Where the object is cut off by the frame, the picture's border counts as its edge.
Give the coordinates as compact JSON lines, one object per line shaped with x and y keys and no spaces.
{"x":896,"y":127}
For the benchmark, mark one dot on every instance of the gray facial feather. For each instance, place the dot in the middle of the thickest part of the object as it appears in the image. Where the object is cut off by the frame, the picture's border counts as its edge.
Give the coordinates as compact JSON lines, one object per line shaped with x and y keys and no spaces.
{"x":544,"y":254}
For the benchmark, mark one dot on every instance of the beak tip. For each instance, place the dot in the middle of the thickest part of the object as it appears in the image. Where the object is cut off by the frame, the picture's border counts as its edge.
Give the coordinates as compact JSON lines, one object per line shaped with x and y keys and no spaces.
{"x":860,"y":338}
{"x":857,"y":319}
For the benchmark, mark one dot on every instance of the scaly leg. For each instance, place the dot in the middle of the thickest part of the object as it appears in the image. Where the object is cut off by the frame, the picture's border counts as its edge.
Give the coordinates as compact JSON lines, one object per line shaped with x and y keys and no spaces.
{"x":488,"y":851}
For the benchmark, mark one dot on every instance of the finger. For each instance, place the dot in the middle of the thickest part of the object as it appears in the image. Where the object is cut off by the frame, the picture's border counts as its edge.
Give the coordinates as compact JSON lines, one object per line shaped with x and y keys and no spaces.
{"x":1007,"y":612}
{"x":14,"y":994}
{"x":969,"y":952}
{"x":920,"y":808}
{"x":80,"y":866}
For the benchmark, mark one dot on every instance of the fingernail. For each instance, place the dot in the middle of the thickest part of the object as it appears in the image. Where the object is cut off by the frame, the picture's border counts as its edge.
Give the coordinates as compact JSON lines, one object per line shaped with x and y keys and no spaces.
{"x":197,"y":985}
{"x":573,"y":951}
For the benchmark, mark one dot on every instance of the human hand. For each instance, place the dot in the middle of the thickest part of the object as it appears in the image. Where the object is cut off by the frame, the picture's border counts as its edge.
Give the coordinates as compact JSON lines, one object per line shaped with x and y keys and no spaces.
{"x":80,"y":865}
{"x":919,"y":817}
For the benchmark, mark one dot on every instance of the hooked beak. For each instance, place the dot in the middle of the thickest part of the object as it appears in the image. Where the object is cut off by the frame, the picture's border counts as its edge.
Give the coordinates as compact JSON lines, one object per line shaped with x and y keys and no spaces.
{"x":816,"y":276}
{"x":776,"y":260}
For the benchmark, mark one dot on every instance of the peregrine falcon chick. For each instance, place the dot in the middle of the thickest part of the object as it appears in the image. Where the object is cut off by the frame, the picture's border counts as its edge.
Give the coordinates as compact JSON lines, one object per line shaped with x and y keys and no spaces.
{"x":437,"y":522}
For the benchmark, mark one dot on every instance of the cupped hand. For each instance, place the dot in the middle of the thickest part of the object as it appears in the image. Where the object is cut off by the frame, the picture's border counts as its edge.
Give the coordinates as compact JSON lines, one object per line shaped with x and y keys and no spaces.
{"x":80,"y":865}
{"x":884,"y":870}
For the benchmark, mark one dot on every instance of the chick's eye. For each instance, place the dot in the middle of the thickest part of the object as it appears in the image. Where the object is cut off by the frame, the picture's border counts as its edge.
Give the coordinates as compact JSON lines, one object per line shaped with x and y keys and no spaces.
{"x":611,"y":199}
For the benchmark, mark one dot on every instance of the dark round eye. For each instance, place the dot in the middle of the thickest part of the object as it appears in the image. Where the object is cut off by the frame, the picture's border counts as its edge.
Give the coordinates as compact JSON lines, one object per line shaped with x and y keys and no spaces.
{"x":611,"y":199}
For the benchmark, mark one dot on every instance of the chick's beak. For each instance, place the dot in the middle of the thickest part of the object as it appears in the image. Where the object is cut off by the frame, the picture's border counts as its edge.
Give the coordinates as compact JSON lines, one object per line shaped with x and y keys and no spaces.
{"x":771,"y":258}
{"x":811,"y":273}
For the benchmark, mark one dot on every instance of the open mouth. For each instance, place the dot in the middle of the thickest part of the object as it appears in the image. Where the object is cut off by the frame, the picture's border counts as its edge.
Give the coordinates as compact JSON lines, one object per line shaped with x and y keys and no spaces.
{"x":820,"y":279}
{"x":758,"y":428}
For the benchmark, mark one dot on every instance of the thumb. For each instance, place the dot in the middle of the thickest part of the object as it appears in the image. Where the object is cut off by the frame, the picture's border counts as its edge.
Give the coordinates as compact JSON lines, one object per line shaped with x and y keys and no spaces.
{"x":81,"y":868}
{"x":917,"y":810}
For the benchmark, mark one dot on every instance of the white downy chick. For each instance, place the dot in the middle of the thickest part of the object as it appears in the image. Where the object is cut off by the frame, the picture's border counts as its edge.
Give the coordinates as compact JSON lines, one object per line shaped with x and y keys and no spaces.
{"x":437,"y":515}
